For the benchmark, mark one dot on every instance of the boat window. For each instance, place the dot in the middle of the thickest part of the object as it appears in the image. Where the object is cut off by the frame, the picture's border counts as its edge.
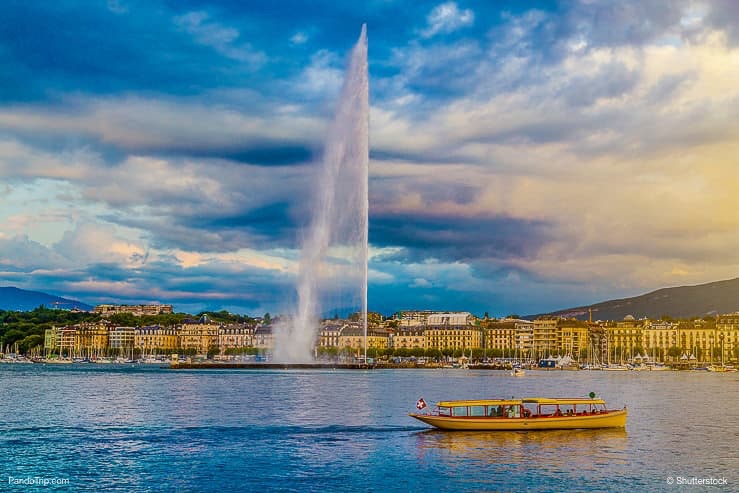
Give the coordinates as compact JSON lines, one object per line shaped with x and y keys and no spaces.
{"x":444,"y":411}
{"x":513,"y":411}
{"x":459,"y":411}
{"x":477,"y":410}
{"x":495,"y":411}
{"x":548,"y":409}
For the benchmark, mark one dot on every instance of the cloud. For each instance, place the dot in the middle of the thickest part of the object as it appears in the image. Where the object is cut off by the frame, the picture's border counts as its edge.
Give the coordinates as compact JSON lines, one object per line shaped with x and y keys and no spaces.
{"x":543,"y":157}
{"x":173,"y":126}
{"x":446,"y":18}
{"x":221,"y":38}
{"x":117,"y":7}
{"x":323,"y":77}
{"x":299,"y":38}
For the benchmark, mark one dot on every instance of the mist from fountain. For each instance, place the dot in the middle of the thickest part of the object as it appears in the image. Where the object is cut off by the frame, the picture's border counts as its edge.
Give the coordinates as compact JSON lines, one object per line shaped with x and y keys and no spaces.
{"x":335,"y":248}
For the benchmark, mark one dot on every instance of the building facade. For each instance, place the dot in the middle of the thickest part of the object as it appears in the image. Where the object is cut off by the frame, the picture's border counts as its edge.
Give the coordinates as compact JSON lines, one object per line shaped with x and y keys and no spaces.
{"x":122,"y":340}
{"x":352,"y":337}
{"x":155,"y":339}
{"x":413,"y":338}
{"x":200,"y":335}
{"x":138,"y":310}
{"x":235,"y":336}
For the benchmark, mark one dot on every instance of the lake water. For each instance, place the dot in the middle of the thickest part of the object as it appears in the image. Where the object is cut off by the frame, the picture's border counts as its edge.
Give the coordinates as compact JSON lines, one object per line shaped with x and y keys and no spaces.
{"x":108,"y":428}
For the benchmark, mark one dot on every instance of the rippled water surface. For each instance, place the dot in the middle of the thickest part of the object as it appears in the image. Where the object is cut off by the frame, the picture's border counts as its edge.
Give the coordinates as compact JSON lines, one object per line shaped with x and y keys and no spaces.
{"x":107,"y":428}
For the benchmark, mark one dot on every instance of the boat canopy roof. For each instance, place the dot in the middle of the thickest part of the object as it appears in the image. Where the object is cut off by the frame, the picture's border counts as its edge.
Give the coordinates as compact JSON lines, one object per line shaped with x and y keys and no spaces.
{"x":486,"y":402}
{"x":563,"y":400}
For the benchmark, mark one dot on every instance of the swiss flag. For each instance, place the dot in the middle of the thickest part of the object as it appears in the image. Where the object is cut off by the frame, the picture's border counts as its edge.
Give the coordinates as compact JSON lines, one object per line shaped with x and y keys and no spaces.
{"x":421,"y":404}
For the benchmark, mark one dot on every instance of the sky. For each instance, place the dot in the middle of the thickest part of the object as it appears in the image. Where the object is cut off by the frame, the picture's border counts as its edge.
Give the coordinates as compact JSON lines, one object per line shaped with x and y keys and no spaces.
{"x":525,"y":156}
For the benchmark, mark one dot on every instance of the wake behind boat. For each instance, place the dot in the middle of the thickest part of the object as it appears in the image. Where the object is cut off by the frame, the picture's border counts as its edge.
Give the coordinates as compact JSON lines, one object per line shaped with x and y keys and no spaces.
{"x":531,"y":413}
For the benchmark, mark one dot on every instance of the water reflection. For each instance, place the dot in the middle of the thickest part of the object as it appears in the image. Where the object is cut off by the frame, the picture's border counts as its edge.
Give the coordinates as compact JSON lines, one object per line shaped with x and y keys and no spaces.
{"x":577,"y":449}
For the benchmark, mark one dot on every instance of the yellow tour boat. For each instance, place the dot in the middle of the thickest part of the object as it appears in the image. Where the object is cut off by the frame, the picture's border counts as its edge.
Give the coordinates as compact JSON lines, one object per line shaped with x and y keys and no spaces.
{"x":533,"y":413}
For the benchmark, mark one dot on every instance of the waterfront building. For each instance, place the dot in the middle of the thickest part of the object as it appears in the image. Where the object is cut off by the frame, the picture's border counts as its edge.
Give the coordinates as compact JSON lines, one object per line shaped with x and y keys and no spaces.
{"x":573,"y":338}
{"x":51,"y":340}
{"x":709,"y":340}
{"x":500,"y":336}
{"x":153,"y":339}
{"x":545,"y":340}
{"x":122,"y":340}
{"x":137,"y":310}
{"x":92,"y":339}
{"x":67,"y":339}
{"x":235,"y":336}
{"x":524,"y":338}
{"x":727,"y":328}
{"x":411,"y":338}
{"x":329,"y":334}
{"x":201,"y":335}
{"x":624,"y":339}
{"x":658,"y":337}
{"x":264,"y":338}
{"x":453,"y":331}
{"x":352,"y":336}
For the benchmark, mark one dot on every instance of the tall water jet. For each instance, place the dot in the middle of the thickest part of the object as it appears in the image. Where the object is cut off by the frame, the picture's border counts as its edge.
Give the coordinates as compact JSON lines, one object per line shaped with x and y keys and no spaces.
{"x":335,"y":247}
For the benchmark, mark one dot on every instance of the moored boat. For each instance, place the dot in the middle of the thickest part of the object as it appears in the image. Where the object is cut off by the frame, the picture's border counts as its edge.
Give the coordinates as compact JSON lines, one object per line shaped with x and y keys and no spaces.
{"x":531,"y":413}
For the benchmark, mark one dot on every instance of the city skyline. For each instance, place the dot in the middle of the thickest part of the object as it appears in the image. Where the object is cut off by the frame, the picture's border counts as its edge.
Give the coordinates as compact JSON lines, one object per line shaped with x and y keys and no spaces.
{"x":524,"y":157}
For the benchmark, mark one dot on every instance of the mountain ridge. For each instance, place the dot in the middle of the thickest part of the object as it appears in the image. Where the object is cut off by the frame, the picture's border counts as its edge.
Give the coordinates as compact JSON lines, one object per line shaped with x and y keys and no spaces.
{"x":698,"y":300}
{"x":16,"y":299}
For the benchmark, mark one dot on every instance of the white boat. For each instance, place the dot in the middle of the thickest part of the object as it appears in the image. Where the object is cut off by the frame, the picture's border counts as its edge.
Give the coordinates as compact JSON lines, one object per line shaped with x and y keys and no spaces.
{"x":615,"y":368}
{"x":518,"y":372}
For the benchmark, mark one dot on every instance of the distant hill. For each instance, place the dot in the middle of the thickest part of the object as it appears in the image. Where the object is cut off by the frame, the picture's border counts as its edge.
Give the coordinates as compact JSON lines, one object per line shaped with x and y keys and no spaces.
{"x":15,"y":299}
{"x":678,"y":302}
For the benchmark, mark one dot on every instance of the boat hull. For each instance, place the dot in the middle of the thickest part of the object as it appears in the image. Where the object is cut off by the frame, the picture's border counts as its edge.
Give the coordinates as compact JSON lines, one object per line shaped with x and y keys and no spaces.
{"x":611,"y":419}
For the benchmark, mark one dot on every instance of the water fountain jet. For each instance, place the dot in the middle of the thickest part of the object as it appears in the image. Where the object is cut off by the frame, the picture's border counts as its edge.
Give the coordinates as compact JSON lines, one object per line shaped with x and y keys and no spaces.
{"x":340,"y":215}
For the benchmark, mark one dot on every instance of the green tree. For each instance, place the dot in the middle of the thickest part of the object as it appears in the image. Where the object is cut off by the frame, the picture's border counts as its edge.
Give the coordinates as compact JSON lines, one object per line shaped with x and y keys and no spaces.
{"x":417,"y":352}
{"x":674,"y":352}
{"x":30,"y":342}
{"x":11,"y":337}
{"x":433,"y":353}
{"x":267,"y":319}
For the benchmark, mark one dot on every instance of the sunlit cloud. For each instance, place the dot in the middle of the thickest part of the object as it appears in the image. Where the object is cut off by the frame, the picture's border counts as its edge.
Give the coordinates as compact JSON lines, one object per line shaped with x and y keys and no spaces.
{"x":521,"y":160}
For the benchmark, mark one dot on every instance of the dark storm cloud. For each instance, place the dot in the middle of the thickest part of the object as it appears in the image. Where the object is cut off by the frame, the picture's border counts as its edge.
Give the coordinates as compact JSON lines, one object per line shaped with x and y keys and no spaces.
{"x":611,"y":81}
{"x":617,"y":23}
{"x":267,"y":156}
{"x":457,"y":238}
{"x":724,"y":14}
{"x":667,"y":86}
